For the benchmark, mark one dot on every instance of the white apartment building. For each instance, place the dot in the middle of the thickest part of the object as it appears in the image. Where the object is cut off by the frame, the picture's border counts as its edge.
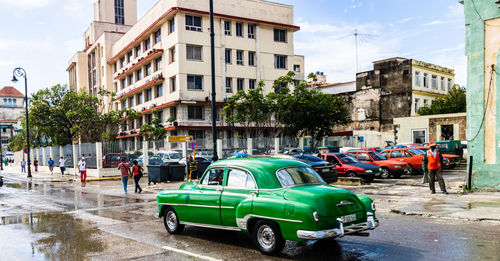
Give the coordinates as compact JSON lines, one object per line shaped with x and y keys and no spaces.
{"x":162,"y":61}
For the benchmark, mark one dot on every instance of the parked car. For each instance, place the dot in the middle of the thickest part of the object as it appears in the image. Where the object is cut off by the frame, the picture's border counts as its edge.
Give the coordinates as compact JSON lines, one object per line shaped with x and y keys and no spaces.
{"x":326,"y":170}
{"x":389,"y":167}
{"x":449,"y":160}
{"x":411,"y":156}
{"x":272,"y":199}
{"x":205,"y":154}
{"x":453,"y":147}
{"x":348,"y":166}
{"x":169,"y":155}
{"x":198,"y":159}
{"x":292,"y":151}
{"x":464,"y":149}
{"x":111,"y":160}
{"x":152,"y":160}
{"x":376,"y":149}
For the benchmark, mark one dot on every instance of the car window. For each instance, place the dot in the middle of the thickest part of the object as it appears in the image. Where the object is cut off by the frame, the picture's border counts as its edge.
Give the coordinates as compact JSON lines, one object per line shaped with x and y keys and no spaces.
{"x":364,"y":157}
{"x":347,"y":159}
{"x":397,"y":154}
{"x":213,"y":177}
{"x":239,"y":179}
{"x":408,"y":155}
{"x":332,"y":159}
{"x":442,"y":146}
{"x":294,"y":176}
{"x":377,"y":156}
{"x":385,"y":154}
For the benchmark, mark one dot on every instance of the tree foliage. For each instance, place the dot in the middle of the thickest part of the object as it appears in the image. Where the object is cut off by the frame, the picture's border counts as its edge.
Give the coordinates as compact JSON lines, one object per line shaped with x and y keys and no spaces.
{"x":153,"y":131}
{"x":453,"y":102}
{"x":302,"y":112}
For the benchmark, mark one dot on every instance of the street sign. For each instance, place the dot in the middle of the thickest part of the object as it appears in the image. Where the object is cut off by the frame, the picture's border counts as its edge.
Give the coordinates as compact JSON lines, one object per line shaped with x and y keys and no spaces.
{"x":361,"y":139}
{"x":180,"y":138}
{"x":25,"y":150}
{"x":194,"y":145}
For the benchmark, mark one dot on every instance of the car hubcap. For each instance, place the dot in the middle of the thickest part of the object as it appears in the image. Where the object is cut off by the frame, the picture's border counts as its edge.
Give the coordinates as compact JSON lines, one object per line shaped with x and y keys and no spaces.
{"x":171,"y":220}
{"x":385,"y":173}
{"x":265,"y":236}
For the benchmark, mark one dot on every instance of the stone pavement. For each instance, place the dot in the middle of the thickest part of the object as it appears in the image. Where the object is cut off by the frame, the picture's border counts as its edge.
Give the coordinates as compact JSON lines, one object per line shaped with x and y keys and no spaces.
{"x":405,"y":196}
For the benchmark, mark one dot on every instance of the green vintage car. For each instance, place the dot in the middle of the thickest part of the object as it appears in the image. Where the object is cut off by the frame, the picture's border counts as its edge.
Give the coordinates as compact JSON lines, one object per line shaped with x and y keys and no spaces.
{"x":273,"y":199}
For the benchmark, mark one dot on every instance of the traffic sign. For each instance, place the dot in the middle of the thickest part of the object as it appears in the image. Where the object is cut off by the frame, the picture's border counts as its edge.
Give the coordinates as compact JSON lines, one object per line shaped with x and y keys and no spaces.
{"x":25,"y":150}
{"x":194,"y":145}
{"x":180,"y":138}
{"x":361,"y":139}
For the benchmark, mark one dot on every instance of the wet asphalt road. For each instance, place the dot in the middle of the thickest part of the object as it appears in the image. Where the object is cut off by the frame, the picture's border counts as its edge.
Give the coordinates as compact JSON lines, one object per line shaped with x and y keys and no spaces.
{"x":52,"y":221}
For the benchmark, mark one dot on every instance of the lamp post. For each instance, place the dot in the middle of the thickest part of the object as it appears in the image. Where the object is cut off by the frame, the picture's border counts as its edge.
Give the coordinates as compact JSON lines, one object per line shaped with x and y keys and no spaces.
{"x":212,"y":65}
{"x":20,"y":72}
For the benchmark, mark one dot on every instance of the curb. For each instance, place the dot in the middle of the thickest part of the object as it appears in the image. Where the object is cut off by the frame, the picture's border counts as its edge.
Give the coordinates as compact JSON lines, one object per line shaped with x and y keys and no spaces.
{"x":431,"y":215}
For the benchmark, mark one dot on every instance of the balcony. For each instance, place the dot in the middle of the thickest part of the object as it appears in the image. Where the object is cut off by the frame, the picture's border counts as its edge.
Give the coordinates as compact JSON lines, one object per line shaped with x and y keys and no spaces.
{"x":155,"y":78}
{"x":146,"y":57}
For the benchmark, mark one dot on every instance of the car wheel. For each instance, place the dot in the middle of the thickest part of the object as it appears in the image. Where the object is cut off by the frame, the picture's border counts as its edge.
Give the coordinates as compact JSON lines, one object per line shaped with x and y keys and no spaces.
{"x":410,"y":170}
{"x":385,"y":173}
{"x":351,"y":174}
{"x":267,"y":237}
{"x":171,"y":221}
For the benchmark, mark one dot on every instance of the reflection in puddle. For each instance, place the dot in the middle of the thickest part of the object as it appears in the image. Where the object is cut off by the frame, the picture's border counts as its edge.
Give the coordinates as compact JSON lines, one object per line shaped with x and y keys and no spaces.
{"x":482,"y":205}
{"x":52,"y":236}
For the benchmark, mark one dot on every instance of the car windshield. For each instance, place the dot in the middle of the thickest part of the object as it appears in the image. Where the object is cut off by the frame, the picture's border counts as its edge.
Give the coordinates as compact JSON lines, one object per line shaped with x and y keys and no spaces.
{"x":309,"y":158}
{"x":416,"y":151}
{"x":175,"y":155}
{"x":296,"y":176}
{"x":347,"y":159}
{"x":377,"y":156}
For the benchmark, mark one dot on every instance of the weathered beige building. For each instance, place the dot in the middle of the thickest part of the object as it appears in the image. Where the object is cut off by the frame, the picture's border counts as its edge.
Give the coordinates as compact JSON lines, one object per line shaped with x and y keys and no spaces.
{"x":11,"y":111}
{"x":162,"y":61}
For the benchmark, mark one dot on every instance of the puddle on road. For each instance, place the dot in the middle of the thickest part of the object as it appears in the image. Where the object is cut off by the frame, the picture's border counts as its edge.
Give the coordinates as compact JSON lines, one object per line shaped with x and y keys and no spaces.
{"x":48,"y":236}
{"x":482,"y":205}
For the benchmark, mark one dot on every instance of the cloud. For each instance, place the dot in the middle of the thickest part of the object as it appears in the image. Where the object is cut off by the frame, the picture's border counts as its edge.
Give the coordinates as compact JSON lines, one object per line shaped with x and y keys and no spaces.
{"x":26,"y":4}
{"x":78,"y":8}
{"x":459,"y":47}
{"x":4,"y":63}
{"x":435,"y":22}
{"x":407,"y":19}
{"x":456,"y":10}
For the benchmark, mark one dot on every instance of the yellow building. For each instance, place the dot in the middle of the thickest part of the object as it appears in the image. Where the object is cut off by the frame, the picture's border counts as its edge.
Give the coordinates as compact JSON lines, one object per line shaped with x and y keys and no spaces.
{"x":162,"y":61}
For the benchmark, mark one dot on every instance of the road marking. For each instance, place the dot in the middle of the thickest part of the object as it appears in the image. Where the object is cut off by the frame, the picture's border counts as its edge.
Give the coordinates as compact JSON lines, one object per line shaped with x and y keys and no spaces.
{"x":189,"y":253}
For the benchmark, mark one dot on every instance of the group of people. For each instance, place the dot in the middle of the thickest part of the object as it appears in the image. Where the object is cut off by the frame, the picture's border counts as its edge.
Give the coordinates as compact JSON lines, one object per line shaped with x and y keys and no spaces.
{"x":50,"y":163}
{"x":127,"y":172}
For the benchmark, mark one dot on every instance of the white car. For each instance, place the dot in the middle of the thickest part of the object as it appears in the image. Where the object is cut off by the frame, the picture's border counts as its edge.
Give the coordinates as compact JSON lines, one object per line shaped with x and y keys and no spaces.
{"x":169,"y":155}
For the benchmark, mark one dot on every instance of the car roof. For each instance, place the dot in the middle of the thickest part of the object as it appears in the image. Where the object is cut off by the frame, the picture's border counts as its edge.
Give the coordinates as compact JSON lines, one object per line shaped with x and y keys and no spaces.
{"x":263,"y":168}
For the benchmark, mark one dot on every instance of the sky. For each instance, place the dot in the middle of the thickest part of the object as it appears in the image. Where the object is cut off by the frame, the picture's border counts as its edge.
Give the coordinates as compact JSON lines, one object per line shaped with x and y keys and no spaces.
{"x":41,"y":36}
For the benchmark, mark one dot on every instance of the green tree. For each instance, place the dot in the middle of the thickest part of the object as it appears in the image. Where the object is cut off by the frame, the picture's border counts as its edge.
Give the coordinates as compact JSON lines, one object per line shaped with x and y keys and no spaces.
{"x":453,"y":102}
{"x":153,"y":131}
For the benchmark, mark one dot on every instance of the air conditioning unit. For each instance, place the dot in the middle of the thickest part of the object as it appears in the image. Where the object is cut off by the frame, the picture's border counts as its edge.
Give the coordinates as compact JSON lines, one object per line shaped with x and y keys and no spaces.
{"x":154,"y":105}
{"x":150,"y":52}
{"x":143,"y":109}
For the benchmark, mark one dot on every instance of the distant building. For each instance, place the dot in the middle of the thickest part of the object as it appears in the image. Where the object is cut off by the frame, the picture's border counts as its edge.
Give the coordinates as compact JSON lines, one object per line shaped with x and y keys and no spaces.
{"x":11,"y":111}
{"x":162,"y":62}
{"x":332,"y":88}
{"x":396,"y":87}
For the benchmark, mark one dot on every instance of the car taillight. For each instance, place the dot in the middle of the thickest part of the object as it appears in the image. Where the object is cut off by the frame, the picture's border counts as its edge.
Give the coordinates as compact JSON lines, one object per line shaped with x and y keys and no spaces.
{"x":316,"y":169}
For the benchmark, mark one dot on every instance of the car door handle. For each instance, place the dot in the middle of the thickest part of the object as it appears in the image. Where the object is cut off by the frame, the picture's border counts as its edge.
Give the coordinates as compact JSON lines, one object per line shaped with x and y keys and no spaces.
{"x":218,"y":189}
{"x":253,"y":192}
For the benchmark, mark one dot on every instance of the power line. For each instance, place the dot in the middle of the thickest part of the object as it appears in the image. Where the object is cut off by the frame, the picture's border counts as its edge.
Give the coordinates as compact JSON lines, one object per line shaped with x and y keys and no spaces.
{"x":485,"y":106}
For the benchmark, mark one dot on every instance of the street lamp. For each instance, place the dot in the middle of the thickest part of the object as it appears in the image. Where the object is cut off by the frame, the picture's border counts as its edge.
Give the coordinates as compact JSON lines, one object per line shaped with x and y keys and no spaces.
{"x":20,"y":72}
{"x":212,"y":67}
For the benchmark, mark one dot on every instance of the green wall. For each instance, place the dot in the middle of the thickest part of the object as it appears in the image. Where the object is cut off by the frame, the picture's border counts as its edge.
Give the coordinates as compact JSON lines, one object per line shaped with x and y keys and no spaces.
{"x":484,"y":176}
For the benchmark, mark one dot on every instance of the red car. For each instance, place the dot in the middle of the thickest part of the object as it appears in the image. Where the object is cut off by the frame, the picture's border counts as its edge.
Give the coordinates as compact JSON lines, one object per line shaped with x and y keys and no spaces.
{"x":449,"y":160}
{"x":389,"y":167}
{"x":348,"y":166}
{"x":412,"y":157}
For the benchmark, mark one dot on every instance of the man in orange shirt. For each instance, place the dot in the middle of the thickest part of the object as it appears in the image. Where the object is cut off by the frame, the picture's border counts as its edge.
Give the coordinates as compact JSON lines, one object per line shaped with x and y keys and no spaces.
{"x":433,"y":162}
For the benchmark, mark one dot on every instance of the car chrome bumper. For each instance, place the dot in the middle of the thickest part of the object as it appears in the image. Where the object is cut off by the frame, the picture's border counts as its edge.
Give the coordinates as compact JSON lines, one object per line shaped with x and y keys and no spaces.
{"x":157,"y":215}
{"x":370,"y":224}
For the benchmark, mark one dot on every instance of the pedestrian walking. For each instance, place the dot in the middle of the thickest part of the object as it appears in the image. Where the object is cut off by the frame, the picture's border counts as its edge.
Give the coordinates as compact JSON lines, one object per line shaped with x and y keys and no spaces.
{"x":193,"y":167}
{"x":23,"y":166}
{"x":83,"y":170}
{"x":62,"y":165}
{"x":35,"y":163}
{"x":125,"y":173}
{"x":137,"y":171}
{"x":432,"y":164}
{"x":51,"y":165}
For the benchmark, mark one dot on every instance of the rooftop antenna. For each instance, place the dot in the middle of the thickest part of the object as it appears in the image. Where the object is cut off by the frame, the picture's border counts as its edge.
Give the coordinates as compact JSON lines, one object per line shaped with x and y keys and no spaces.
{"x":362,"y":38}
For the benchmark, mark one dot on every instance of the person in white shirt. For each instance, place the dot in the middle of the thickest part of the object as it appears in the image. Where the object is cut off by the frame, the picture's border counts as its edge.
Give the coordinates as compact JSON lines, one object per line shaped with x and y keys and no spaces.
{"x":83,"y":170}
{"x":62,"y":163}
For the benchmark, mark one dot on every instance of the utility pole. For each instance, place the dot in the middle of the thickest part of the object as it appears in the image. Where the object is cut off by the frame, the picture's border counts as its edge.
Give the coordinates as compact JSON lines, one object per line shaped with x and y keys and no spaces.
{"x":212,"y":64}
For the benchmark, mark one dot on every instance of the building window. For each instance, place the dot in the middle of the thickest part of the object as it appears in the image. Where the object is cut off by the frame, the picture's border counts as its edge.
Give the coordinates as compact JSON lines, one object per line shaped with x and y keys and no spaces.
{"x":434,"y":82}
{"x":157,"y":36}
{"x":239,"y":84}
{"x":425,"y":102}
{"x":251,"y":58}
{"x":442,"y":84}
{"x":416,"y":105}
{"x":280,"y":61}
{"x":149,"y":95}
{"x":138,"y":50}
{"x":449,"y":84}
{"x":147,"y":44}
{"x":114,"y":67}
{"x":130,"y":56}
{"x":148,"y":69}
{"x":171,"y":25}
{"x":280,"y":35}
{"x":130,"y":79}
{"x":426,"y":83}
{"x":251,"y":84}
{"x":229,"y":84}
{"x":122,"y":62}
{"x":228,"y":56}
{"x":199,"y":136}
{"x":158,"y":64}
{"x":251,"y":31}
{"x":296,"y":67}
{"x":131,"y":102}
{"x":193,"y":52}
{"x":124,"y":83}
{"x":195,"y":112}
{"x":158,"y":91}
{"x":124,"y":104}
{"x":193,"y":23}
{"x":172,"y":84}
{"x":239,"y":29}
{"x":173,"y":113}
{"x":172,"y":54}
{"x":119,"y":12}
{"x":194,"y":82}
{"x":417,"y":79}
{"x":139,"y":98}
{"x":227,"y":27}
{"x":139,"y":75}
{"x":239,"y":57}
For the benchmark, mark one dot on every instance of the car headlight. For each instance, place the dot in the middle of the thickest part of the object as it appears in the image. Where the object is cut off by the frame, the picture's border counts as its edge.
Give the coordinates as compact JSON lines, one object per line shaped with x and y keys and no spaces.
{"x":368,"y":171}
{"x":397,"y":166}
{"x":379,"y":169}
{"x":373,"y":206}
{"x":315,"y":216}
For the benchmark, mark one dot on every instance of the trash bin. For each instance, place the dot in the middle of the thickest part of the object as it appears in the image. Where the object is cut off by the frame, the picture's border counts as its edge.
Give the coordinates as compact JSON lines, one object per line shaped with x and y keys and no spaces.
{"x":177,"y":172}
{"x":202,"y":166}
{"x":153,"y":174}
{"x":165,"y":174}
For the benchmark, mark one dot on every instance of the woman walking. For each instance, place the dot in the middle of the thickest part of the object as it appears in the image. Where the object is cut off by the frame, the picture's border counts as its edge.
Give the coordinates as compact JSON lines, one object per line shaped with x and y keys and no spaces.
{"x":35,"y":163}
{"x":137,"y":171}
{"x":125,"y":172}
